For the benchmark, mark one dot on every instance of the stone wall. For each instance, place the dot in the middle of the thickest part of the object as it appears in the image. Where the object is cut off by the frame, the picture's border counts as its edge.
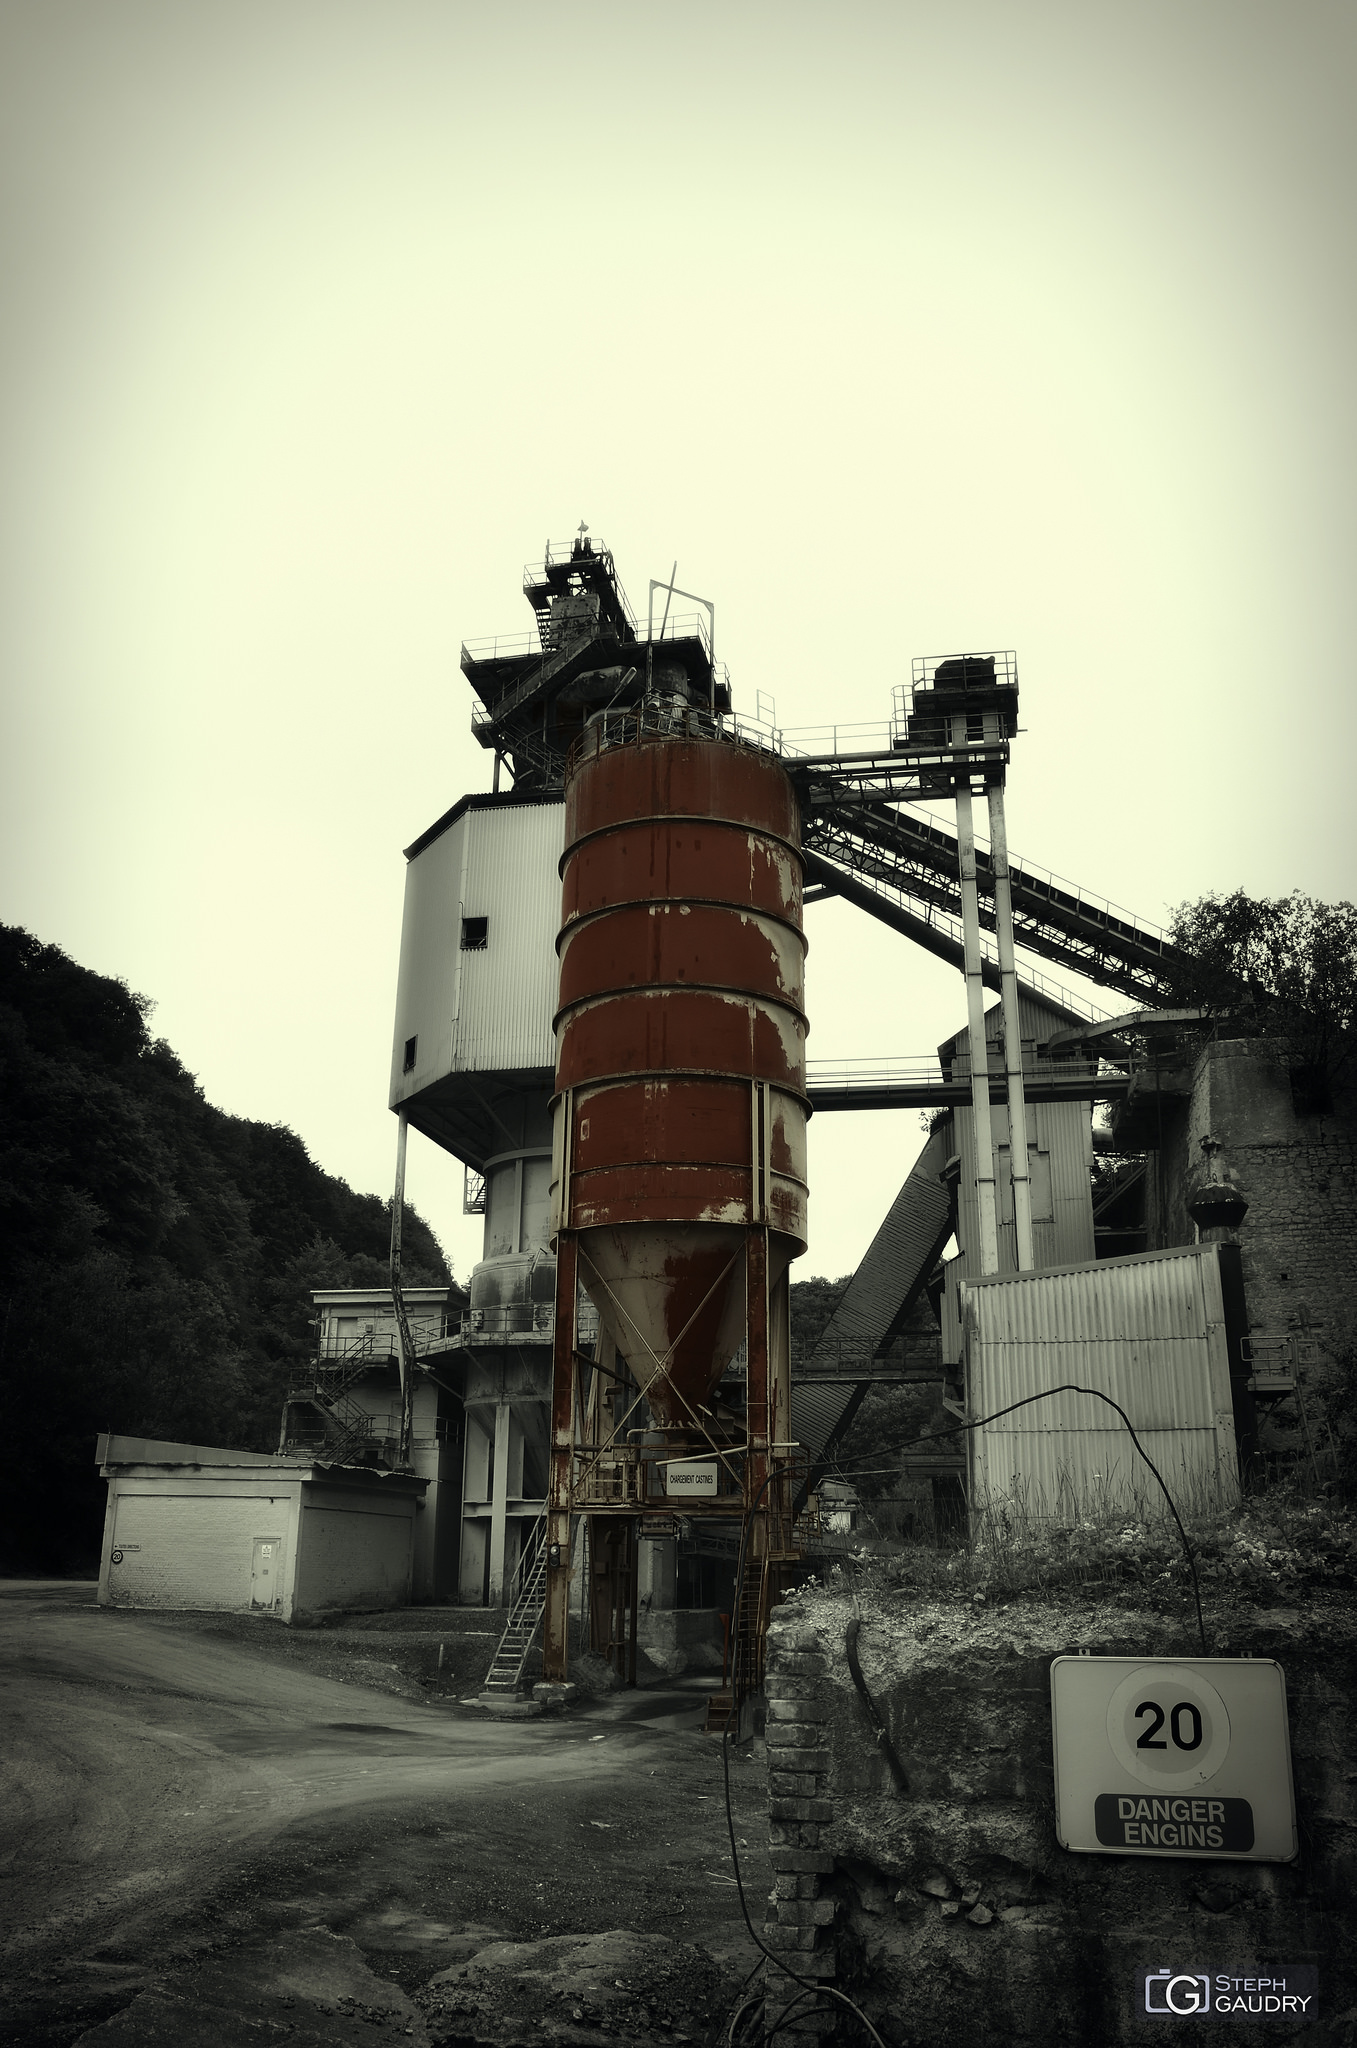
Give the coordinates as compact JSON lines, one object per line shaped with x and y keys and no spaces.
{"x":950,"y":1913}
{"x":1299,"y":1172}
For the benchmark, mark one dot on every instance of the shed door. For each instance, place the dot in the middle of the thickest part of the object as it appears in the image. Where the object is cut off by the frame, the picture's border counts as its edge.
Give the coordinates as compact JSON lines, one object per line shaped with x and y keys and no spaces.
{"x":266,"y":1590}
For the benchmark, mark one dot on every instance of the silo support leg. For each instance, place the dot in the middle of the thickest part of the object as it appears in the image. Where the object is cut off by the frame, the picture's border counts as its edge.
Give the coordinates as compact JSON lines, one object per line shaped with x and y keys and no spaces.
{"x":756,"y":1330}
{"x":556,"y":1613}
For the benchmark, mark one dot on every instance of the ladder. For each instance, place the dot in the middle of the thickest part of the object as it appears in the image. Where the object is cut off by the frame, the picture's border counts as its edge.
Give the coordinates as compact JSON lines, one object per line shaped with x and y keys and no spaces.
{"x":525,"y":1616}
{"x":746,"y":1676}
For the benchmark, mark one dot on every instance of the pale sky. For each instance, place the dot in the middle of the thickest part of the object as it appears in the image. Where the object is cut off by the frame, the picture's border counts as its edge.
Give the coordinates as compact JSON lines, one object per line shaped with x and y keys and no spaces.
{"x":905,"y":329}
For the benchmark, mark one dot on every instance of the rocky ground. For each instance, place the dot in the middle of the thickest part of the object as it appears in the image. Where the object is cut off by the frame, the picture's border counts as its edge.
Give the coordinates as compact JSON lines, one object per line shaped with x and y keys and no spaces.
{"x":217,"y":1831}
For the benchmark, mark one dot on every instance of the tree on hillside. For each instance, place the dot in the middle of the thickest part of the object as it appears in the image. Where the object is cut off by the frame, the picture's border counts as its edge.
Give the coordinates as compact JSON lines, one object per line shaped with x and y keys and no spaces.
{"x":813,"y":1303}
{"x":156,"y":1255}
{"x":1282,"y":968}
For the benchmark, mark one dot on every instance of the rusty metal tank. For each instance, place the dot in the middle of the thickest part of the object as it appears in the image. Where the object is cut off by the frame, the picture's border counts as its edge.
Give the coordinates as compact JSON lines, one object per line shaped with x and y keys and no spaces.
{"x":680,"y":1112}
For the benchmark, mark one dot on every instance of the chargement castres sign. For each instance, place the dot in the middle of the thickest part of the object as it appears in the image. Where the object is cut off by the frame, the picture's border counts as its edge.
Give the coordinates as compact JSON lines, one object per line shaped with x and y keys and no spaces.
{"x":1186,"y":1756}
{"x":690,"y":1479}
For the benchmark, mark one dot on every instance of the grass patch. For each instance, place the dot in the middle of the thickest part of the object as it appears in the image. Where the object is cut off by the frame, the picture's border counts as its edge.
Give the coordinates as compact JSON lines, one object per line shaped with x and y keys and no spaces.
{"x":1274,"y":1546}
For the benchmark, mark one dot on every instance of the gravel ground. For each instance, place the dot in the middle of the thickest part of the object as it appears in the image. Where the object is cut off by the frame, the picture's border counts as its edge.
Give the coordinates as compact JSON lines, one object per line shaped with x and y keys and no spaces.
{"x":216,"y":1828}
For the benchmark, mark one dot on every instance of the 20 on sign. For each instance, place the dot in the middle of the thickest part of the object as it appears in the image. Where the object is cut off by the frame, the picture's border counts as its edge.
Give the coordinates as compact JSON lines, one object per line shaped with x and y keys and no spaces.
{"x":1180,"y":1757}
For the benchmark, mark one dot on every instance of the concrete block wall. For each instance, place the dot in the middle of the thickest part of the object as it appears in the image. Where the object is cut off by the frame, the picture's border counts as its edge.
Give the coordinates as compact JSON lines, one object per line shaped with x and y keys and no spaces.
{"x":353,"y":1552}
{"x":951,"y":1913}
{"x":186,"y":1539}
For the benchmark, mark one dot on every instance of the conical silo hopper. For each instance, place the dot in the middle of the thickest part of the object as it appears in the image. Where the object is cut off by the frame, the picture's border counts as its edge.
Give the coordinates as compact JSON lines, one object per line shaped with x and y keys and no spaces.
{"x":680,"y":1113}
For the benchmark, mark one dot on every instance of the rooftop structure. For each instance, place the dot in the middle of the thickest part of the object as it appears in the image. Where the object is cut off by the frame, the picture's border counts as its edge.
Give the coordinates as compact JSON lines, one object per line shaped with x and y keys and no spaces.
{"x":586,"y":652}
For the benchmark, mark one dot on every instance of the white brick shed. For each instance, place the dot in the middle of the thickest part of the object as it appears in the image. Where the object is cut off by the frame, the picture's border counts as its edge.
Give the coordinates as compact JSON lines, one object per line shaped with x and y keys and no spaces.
{"x":192,"y":1526}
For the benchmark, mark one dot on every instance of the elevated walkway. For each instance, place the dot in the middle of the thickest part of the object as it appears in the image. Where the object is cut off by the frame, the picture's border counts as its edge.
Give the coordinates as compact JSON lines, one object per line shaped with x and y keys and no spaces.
{"x":900,"y":865}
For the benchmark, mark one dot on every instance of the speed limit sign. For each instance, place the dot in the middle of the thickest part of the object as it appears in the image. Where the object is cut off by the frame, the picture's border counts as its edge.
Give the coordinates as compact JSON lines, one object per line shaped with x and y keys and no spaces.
{"x":1185,"y":1756}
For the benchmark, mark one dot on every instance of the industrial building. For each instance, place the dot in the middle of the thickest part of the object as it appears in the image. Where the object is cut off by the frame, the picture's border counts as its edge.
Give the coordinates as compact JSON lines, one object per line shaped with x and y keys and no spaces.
{"x":600,"y":1012}
{"x":344,"y":1407}
{"x":640,"y":1320}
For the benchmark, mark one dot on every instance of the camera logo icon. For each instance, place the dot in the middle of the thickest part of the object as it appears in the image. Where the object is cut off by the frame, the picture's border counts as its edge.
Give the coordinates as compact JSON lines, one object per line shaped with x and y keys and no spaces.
{"x":1177,"y":1994}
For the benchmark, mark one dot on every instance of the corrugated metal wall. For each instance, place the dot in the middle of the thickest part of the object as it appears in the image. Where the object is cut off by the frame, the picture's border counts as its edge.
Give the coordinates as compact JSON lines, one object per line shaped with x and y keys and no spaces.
{"x":1037,"y":1021}
{"x":487,"y":1011}
{"x":508,"y":992}
{"x":1147,"y":1331}
{"x":1060,"y":1156}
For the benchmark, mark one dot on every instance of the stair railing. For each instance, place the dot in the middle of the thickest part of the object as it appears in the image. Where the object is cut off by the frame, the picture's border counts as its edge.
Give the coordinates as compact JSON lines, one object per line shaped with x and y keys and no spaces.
{"x":527,"y":1603}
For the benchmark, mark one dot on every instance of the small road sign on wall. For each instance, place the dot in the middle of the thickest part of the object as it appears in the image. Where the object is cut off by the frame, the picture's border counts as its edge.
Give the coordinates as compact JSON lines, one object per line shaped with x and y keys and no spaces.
{"x":1184,"y":1756}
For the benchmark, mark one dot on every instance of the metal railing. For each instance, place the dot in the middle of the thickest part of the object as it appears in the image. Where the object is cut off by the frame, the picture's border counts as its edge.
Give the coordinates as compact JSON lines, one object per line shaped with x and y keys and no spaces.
{"x":526,"y":1603}
{"x":375,"y":1347}
{"x":805,"y":742}
{"x":371,"y":1348}
{"x":667,"y":718}
{"x":950,"y":926}
{"x":928,"y":1068}
{"x":1031,"y":876}
{"x":513,"y":646}
{"x":834,"y":1355}
{"x":517,"y":1318}
{"x":993,"y":668}
{"x":500,"y":647}
{"x":561,"y":554}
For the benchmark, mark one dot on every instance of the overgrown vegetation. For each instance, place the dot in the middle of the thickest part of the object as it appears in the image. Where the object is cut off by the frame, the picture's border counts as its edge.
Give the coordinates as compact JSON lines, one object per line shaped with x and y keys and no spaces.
{"x":1280,"y":967}
{"x":156,"y":1255}
{"x":1276,"y":1546}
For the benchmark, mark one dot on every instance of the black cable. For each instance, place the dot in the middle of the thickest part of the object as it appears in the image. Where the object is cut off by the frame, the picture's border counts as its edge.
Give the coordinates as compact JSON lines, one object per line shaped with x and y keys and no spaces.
{"x":883,"y":1734}
{"x":1066,"y":1387}
{"x":957,"y":1429}
{"x":783,"y":2019}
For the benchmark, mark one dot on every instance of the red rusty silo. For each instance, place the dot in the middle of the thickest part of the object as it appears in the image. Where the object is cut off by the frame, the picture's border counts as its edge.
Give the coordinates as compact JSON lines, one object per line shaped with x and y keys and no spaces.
{"x":680,"y":1128}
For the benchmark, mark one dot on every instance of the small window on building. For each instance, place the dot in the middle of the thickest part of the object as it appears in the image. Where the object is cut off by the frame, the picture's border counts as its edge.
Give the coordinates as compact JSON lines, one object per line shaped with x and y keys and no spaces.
{"x":411,"y":1051}
{"x":475,"y":933}
{"x":975,"y":726}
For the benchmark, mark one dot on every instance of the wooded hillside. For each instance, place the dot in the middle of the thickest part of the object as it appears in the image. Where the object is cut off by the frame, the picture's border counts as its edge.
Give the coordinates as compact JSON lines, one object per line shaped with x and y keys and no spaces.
{"x":156,"y":1254}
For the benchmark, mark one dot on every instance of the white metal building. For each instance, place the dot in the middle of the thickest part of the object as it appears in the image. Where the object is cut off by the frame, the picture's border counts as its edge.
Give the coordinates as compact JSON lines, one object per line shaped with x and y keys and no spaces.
{"x":192,"y":1526}
{"x":473,"y":1061}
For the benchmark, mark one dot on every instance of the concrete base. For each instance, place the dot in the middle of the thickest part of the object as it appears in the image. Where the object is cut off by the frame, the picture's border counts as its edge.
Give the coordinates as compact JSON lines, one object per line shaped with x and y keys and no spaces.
{"x":551,"y":1694}
{"x":681,"y":1639}
{"x":507,"y":1708}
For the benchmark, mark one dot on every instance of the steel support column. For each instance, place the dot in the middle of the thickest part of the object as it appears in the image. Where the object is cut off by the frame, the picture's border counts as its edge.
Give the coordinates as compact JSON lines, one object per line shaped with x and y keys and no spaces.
{"x":405,"y":1350}
{"x":975,"y":1018}
{"x":556,"y":1609}
{"x":760,"y":1393}
{"x":1008,"y":976}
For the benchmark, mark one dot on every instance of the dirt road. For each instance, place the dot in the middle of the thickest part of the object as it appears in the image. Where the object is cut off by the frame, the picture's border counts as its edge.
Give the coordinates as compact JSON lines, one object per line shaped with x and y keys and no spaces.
{"x":193,"y":1828}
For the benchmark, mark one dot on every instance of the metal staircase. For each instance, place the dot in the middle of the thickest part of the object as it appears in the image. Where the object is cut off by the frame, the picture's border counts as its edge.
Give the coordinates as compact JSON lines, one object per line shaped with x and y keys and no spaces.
{"x":746,"y":1673}
{"x":503,"y":1679}
{"x":349,"y":1433}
